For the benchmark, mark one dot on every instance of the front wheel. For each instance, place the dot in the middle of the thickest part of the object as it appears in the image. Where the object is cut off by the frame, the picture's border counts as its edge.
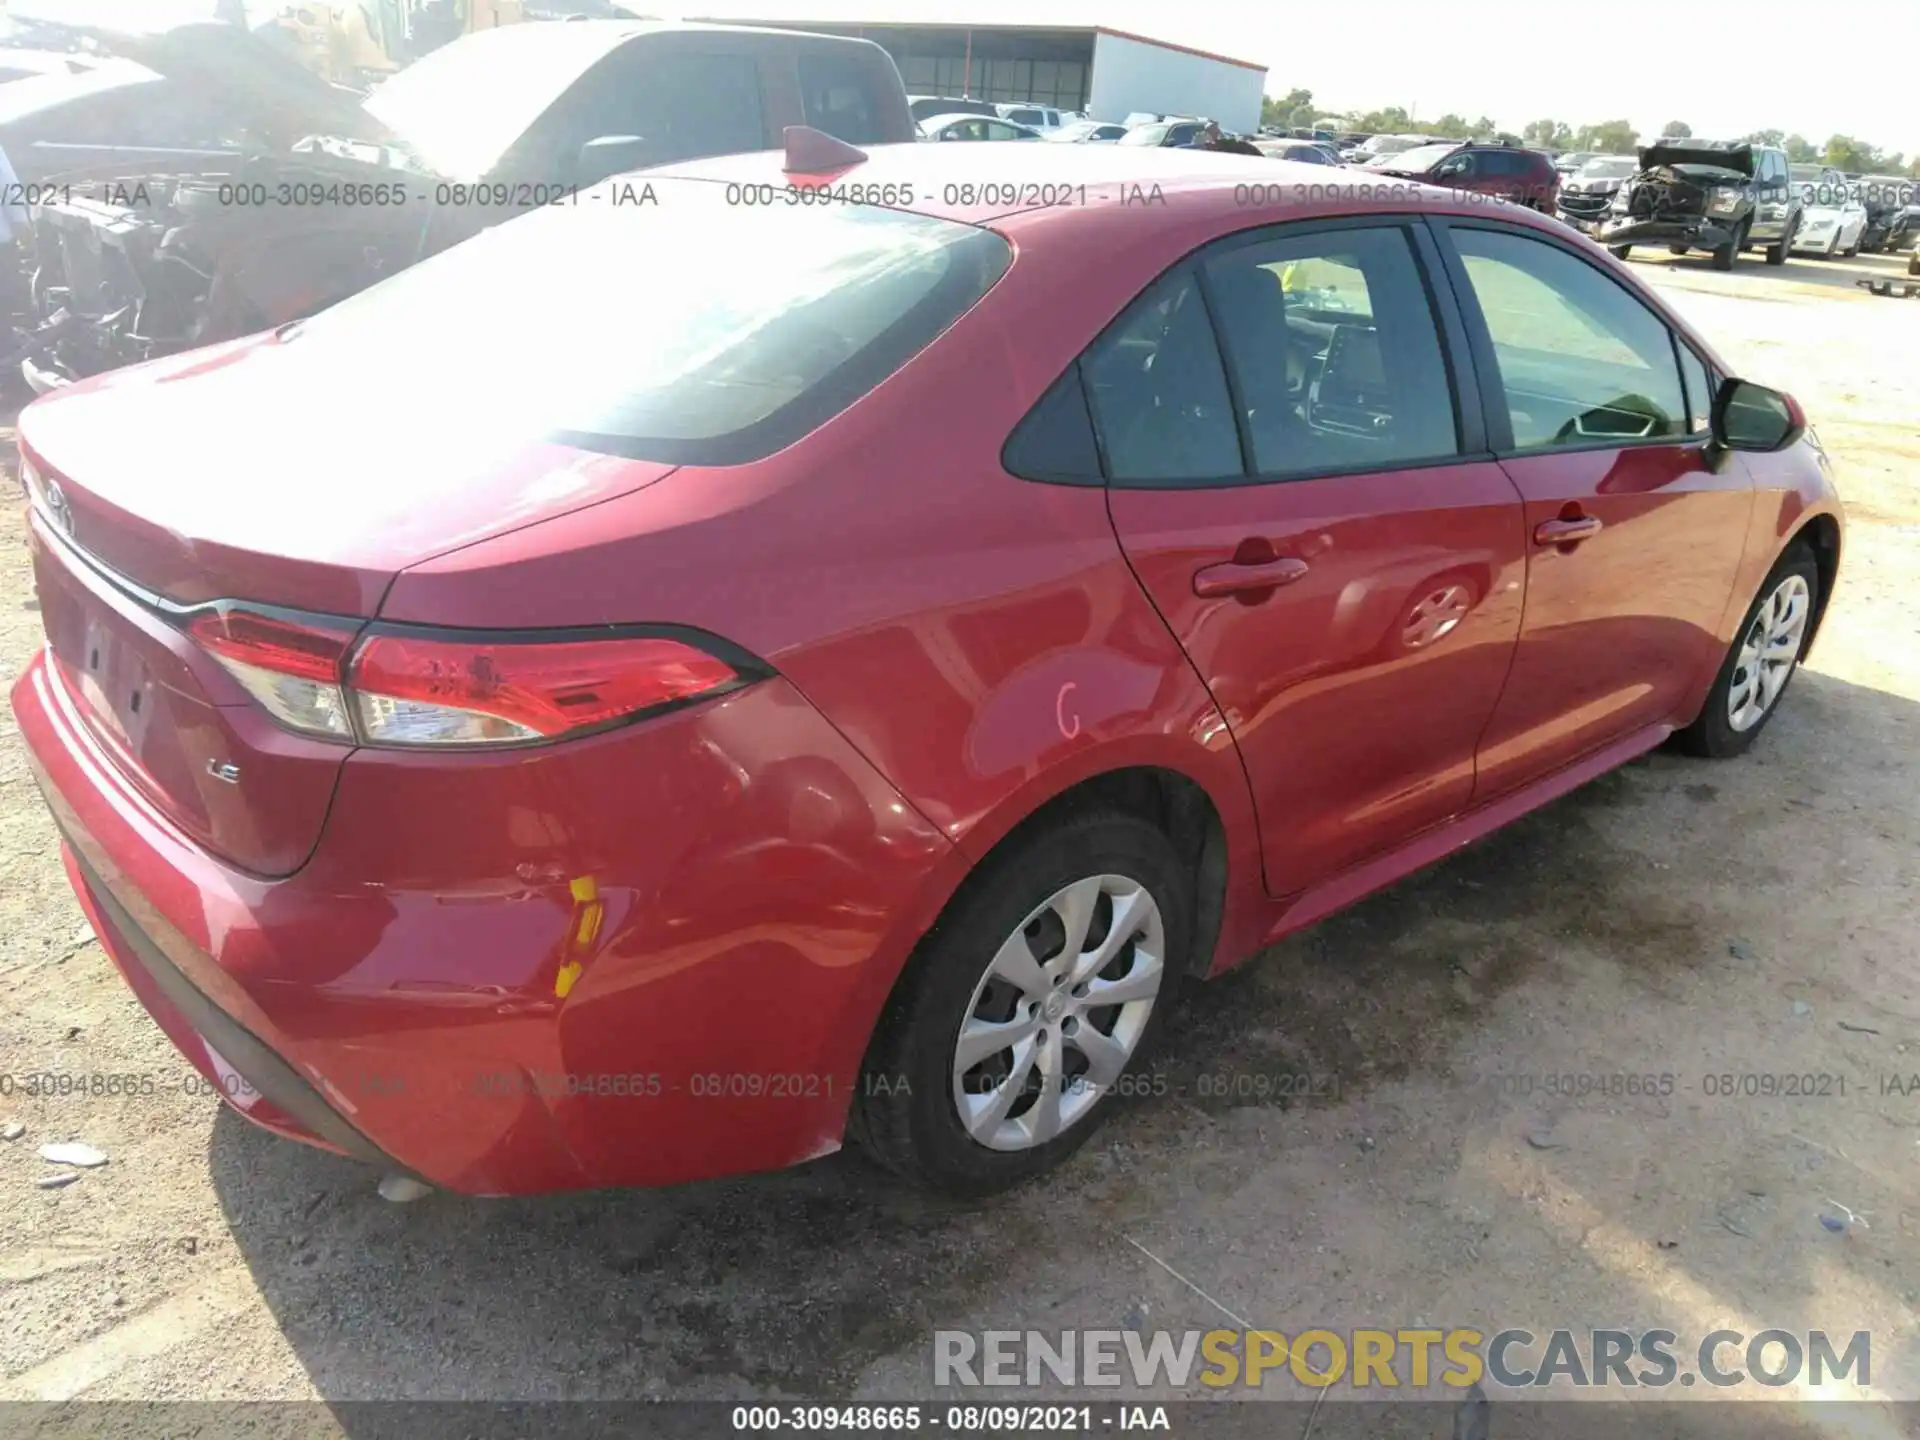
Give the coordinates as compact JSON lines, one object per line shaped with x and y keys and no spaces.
{"x":1620,"y":252}
{"x":1777,"y":252}
{"x":1761,"y":661}
{"x":1030,"y":1008}
{"x":1736,"y":242}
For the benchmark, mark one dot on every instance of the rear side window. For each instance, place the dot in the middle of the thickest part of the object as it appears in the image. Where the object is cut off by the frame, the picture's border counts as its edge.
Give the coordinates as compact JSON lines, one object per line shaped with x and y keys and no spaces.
{"x":689,"y":332}
{"x":836,"y":93}
{"x":1158,"y":392}
{"x":1334,"y":353}
{"x":1581,"y":360}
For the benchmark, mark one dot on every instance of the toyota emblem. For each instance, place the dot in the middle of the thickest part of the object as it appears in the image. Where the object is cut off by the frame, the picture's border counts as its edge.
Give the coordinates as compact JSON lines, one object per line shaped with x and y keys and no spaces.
{"x":57,"y":508}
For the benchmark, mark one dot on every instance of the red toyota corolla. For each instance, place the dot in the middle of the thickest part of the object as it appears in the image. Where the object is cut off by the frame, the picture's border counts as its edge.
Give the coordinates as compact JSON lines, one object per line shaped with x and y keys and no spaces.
{"x":691,"y":676}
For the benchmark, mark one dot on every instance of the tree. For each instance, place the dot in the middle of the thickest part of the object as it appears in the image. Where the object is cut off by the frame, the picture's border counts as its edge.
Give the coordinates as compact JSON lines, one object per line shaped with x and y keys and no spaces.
{"x":1549,"y":134}
{"x":1612,"y":137}
{"x":1677,"y":130}
{"x":1765,"y":137}
{"x":1800,"y":151}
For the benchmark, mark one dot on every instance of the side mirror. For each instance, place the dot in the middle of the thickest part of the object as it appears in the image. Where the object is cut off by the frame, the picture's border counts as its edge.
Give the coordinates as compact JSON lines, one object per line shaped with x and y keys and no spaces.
{"x":611,"y":154}
{"x":1747,"y":416}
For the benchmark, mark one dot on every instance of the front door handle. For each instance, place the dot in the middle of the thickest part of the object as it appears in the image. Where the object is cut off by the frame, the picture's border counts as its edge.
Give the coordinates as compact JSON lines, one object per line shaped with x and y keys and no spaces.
{"x":1235,"y":578}
{"x":1567,"y":531}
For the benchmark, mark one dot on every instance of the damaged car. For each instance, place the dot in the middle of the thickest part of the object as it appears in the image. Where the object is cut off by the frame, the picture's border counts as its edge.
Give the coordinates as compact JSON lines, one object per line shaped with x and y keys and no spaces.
{"x":319,"y":192}
{"x":1718,"y":196}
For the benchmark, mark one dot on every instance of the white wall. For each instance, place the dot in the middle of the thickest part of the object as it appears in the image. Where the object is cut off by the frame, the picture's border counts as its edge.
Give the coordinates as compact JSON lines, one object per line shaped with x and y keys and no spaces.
{"x":1129,"y":75}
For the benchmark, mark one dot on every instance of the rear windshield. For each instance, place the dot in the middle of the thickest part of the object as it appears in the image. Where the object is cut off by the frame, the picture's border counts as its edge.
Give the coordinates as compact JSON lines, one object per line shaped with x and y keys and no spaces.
{"x":694,"y":330}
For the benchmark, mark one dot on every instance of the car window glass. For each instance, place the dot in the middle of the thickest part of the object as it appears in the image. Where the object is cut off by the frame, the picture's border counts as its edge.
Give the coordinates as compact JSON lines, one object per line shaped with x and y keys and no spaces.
{"x":1581,"y":359}
{"x":1334,"y":352}
{"x":836,"y":95}
{"x":691,"y":106}
{"x":1158,"y":392}
{"x":1699,"y":390}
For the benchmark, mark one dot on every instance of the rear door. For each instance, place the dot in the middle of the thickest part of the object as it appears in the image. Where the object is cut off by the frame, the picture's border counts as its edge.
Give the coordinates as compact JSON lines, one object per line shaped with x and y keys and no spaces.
{"x":1319,"y":525}
{"x":1598,"y":412}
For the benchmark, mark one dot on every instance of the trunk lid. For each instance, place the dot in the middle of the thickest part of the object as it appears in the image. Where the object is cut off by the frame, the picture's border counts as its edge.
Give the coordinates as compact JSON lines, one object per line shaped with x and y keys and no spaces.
{"x":203,"y":478}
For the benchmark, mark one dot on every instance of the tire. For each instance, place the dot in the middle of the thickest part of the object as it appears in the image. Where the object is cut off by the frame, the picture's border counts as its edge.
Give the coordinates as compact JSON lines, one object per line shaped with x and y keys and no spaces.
{"x":1736,"y":242}
{"x":1777,"y":252}
{"x":1620,"y":252}
{"x":907,"y":1112}
{"x":1678,"y":249}
{"x":1851,"y":251}
{"x":1714,"y":735}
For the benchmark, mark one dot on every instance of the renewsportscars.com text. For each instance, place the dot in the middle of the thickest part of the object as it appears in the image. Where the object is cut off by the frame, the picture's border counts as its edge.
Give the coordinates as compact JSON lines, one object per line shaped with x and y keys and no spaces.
{"x":1379,"y":1359}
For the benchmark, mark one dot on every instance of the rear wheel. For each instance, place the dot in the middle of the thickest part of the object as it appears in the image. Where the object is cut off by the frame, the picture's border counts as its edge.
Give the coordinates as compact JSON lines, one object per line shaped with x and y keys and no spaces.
{"x":1678,"y":249}
{"x":1760,"y":662}
{"x":1620,"y":252}
{"x":1030,"y":1003}
{"x":1777,"y":252}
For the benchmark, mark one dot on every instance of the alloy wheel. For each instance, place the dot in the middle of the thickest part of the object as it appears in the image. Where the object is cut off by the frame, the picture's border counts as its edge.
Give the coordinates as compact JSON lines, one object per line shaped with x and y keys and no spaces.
{"x":1767,"y":652}
{"x":1059,"y":1012}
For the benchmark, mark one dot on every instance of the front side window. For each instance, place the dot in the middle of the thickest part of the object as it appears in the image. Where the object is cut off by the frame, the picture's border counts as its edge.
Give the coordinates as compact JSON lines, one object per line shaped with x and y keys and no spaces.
{"x":1581,"y":360}
{"x":1158,"y":393}
{"x":1334,"y":352}
{"x":1699,"y":385}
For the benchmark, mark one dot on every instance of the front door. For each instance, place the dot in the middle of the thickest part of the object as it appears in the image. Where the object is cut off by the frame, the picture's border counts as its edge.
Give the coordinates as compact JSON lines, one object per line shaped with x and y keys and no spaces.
{"x":1635,"y":529}
{"x":1341,"y":564}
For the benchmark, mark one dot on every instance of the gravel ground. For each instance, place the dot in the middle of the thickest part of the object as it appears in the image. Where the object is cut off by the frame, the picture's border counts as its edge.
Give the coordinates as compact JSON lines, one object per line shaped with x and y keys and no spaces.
{"x":1677,"y":916}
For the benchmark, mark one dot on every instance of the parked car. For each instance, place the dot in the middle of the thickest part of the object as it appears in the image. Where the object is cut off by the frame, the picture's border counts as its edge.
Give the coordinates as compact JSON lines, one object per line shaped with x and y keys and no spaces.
{"x":1884,"y":197}
{"x":1586,"y":194}
{"x":1718,"y":196}
{"x":1832,"y":218}
{"x":1300,"y":151}
{"x":1034,"y":117}
{"x":512,"y":781}
{"x":1569,"y":161}
{"x":1165,"y":134}
{"x":104,"y":120}
{"x":1504,"y":171}
{"x":1087,"y":132}
{"x":1379,"y":147}
{"x":925,"y":107}
{"x":315,"y":195}
{"x":974,"y":127}
{"x":19,"y":64}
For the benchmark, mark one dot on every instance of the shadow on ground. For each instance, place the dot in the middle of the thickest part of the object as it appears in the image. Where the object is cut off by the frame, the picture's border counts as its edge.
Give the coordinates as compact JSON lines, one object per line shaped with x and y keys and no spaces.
{"x":794,"y":1283}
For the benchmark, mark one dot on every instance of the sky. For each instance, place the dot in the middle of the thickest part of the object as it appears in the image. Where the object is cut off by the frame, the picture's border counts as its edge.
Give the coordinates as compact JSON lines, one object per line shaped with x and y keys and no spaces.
{"x":1725,"y":70}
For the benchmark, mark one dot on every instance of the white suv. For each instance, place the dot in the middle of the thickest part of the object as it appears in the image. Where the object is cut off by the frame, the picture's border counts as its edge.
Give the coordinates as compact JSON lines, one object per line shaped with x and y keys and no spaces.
{"x":1039,"y":117}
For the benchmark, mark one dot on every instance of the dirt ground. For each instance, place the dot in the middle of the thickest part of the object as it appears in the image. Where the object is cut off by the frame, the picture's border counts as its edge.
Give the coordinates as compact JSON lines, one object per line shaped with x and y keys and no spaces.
{"x":1752,"y":917}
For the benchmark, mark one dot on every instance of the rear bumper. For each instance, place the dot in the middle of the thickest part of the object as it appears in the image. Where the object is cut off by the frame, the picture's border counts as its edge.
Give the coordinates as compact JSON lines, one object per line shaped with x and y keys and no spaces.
{"x":650,"y":956}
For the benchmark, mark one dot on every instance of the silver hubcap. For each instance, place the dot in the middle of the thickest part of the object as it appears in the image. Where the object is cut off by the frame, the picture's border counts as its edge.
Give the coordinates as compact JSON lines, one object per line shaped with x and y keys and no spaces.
{"x":1767,"y":653}
{"x":1435,"y":617}
{"x":1058,"y":1014}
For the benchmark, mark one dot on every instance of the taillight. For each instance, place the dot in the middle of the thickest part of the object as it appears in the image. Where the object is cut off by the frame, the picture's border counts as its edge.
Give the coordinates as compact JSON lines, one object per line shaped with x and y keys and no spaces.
{"x":407,"y":687}
{"x":292,"y":667}
{"x":416,"y":690}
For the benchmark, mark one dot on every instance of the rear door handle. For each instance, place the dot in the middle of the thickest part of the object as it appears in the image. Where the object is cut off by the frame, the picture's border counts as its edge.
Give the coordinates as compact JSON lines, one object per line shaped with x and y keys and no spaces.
{"x":1566,"y":532}
{"x":1234,"y":578}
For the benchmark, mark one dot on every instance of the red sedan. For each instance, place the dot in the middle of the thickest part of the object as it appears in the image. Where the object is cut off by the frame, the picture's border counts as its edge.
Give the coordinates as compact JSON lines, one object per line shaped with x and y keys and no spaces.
{"x":693,"y":676}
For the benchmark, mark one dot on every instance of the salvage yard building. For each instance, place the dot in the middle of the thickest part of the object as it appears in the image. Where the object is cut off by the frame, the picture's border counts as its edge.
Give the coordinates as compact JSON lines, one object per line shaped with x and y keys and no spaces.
{"x":1109,"y":74}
